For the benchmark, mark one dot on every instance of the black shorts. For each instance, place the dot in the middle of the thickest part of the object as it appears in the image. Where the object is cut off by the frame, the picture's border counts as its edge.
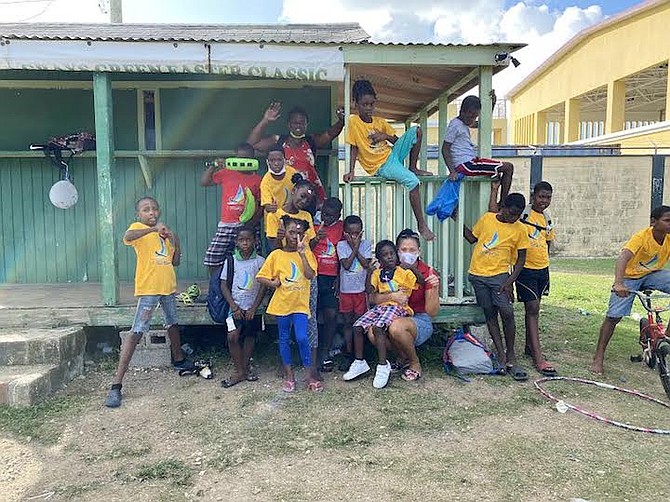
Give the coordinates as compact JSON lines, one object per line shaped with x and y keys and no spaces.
{"x":248,"y":328}
{"x":327,"y":298}
{"x":532,"y":285}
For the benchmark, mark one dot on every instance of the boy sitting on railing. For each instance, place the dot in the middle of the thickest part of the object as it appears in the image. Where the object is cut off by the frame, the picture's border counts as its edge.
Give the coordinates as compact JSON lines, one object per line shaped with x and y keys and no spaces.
{"x":459,"y":152}
{"x":369,"y":137}
{"x":500,"y":239}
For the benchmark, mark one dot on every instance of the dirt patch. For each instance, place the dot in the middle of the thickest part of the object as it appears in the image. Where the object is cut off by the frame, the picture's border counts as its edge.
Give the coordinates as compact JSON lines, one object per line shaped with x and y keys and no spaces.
{"x":21,"y":467}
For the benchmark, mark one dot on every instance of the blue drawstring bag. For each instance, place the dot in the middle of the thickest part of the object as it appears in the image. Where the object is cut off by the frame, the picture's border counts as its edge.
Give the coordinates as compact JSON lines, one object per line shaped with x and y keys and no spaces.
{"x":446,"y":201}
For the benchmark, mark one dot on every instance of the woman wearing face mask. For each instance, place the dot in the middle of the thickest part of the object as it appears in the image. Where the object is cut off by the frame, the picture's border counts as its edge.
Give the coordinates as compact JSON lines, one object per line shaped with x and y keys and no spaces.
{"x":407,"y":333}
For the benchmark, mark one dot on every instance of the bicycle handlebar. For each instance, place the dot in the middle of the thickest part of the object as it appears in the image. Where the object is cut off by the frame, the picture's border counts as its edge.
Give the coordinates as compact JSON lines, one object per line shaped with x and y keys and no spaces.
{"x":647,"y":296}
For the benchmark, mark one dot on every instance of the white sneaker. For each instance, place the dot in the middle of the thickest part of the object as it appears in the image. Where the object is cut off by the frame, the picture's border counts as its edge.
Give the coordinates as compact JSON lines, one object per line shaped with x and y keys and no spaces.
{"x":382,"y":375}
{"x":358,"y":367}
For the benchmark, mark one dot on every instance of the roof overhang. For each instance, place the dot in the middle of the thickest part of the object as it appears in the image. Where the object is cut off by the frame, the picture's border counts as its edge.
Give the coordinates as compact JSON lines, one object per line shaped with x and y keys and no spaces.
{"x":409,"y":78}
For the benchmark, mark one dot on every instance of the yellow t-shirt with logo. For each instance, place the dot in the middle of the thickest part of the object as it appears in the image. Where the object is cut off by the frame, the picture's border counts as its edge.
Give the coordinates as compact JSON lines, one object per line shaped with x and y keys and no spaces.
{"x":370,"y":155}
{"x":154,"y":272}
{"x":648,"y":255}
{"x":403,"y":280}
{"x":277,"y":190}
{"x":272,"y":222}
{"x":537,"y":256}
{"x":292,"y":296}
{"x":497,"y":244}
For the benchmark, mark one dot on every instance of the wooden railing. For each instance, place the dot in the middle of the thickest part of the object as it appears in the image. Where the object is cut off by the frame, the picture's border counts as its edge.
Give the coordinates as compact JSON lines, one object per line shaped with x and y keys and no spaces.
{"x":385,"y":210}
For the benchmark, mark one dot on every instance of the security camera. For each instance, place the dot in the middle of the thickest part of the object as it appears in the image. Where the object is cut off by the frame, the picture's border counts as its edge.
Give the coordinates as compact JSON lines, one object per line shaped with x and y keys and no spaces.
{"x":505,"y":58}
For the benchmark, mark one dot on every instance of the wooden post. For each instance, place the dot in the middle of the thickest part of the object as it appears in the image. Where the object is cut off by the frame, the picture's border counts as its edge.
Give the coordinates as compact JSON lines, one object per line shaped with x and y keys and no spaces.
{"x":104,"y":133}
{"x":348,"y":193}
{"x":423,"y":153}
{"x":442,"y":128}
{"x":334,"y":175}
{"x":485,"y":130}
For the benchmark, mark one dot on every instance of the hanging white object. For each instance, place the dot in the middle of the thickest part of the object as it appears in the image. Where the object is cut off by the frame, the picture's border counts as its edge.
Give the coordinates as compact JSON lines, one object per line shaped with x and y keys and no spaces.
{"x":63,"y":194}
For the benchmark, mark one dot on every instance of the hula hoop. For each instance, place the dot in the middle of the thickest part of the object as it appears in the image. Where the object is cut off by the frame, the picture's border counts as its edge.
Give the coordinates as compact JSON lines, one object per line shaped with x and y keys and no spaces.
{"x":596,"y":416}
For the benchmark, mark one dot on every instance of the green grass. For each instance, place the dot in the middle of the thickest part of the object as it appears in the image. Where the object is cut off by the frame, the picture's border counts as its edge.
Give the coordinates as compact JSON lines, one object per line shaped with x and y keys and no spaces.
{"x":591,"y":266}
{"x":174,"y":471}
{"x":43,"y":421}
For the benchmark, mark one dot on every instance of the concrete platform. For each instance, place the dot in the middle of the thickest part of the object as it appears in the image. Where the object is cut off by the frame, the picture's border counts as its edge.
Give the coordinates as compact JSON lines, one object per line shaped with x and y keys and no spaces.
{"x":28,"y":384}
{"x":40,"y":346}
{"x":80,"y":304}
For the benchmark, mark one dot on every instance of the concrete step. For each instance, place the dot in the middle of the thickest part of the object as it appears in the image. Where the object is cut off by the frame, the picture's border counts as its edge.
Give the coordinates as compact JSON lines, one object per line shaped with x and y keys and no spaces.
{"x":20,"y":346}
{"x":26,"y":385}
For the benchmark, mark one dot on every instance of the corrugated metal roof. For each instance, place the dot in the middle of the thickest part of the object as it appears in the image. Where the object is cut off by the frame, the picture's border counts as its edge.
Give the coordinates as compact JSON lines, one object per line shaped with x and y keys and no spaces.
{"x":338,"y":33}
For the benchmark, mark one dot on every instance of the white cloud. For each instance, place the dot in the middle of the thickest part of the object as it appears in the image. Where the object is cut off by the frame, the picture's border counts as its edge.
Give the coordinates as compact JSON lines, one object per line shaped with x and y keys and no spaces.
{"x":458,"y":21}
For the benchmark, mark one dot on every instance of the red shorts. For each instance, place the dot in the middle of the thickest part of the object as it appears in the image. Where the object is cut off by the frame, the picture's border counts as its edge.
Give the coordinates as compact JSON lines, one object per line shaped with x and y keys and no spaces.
{"x":353,"y":302}
{"x":480,"y":166}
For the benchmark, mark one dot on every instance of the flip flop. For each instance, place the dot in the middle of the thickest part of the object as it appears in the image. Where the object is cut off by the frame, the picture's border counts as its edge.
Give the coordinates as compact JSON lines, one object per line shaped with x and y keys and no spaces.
{"x":327,"y":366}
{"x":252,"y":376}
{"x":517,"y":372}
{"x":288,"y":386}
{"x":226,"y":383}
{"x":410,"y":375}
{"x":547,"y":369}
{"x":315,"y":386}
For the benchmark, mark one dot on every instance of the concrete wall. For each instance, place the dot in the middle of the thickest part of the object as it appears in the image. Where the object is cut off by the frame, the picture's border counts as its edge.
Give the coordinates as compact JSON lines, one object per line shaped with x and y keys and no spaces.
{"x":598,"y":202}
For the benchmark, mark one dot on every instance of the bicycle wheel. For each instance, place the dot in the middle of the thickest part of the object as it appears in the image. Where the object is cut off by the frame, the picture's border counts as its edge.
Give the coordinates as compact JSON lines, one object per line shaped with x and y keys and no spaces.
{"x":662,"y":354}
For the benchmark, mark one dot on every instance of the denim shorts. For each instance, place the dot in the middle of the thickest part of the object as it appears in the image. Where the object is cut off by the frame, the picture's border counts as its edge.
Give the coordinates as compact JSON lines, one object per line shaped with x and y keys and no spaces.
{"x":620,"y":307}
{"x":145,"y":311}
{"x":424,"y":328}
{"x":394,"y":167}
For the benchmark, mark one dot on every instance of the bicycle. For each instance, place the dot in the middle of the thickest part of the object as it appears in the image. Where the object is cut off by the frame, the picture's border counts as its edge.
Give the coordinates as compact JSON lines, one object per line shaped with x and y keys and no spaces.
{"x":655,"y":344}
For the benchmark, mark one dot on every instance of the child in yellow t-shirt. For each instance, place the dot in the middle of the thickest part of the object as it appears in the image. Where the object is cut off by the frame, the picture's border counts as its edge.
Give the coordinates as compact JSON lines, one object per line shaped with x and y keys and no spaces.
{"x":300,"y":198}
{"x":277,"y":183}
{"x":501,"y":242}
{"x":370,"y":139}
{"x":158,"y":252}
{"x":640,"y":266}
{"x":533,"y":281}
{"x":389,"y":278}
{"x":289,"y":270}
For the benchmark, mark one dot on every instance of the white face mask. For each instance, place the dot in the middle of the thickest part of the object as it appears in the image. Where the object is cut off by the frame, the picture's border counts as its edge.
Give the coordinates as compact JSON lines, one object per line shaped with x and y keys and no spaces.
{"x":409,"y":258}
{"x":276,"y":173}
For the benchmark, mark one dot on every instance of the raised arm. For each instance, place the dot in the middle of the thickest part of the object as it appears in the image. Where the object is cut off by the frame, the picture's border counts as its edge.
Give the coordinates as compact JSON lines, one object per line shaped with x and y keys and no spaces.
{"x":324,"y":138}
{"x":132,"y":235}
{"x":255,"y":137}
{"x":206,"y":180}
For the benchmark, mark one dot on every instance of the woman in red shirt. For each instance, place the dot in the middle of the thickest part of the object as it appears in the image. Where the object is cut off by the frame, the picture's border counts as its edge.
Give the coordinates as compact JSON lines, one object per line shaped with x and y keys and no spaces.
{"x":407,"y":333}
{"x":299,"y":147}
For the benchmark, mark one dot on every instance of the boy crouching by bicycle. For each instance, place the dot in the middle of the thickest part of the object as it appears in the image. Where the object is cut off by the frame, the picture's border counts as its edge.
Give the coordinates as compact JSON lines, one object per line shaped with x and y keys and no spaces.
{"x":638,"y":267}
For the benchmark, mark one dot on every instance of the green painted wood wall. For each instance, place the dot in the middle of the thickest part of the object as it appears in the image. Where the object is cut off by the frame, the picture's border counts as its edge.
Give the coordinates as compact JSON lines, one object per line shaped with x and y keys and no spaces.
{"x":40,"y":243}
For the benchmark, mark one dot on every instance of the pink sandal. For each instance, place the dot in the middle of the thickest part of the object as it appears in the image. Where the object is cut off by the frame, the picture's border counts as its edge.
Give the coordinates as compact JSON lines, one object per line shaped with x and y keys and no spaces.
{"x":288,"y":386}
{"x":410,"y":375}
{"x":315,"y":386}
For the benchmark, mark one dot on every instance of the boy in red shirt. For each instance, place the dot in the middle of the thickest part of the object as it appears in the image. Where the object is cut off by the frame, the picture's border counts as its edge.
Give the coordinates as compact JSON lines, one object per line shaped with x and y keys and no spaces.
{"x":328,"y":235}
{"x":234,"y":196}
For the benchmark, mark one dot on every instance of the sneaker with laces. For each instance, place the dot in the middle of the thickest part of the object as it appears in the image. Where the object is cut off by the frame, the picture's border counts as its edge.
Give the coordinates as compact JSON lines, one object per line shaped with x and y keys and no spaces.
{"x":382,"y":375}
{"x":113,"y":399}
{"x":358,"y":367}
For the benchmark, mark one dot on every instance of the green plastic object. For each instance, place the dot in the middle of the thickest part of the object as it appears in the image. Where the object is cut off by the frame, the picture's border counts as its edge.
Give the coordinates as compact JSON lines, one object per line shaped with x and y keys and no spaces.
{"x":241,"y":164}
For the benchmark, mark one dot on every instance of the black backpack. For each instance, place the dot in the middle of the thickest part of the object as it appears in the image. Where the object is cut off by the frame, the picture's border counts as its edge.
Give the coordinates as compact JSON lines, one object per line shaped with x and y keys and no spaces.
{"x":216,"y":303}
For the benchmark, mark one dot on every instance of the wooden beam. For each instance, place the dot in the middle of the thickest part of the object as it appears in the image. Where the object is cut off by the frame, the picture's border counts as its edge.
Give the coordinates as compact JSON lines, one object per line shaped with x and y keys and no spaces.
{"x":434,"y":55}
{"x":146,"y":171}
{"x":104,"y":133}
{"x":454,"y":89}
{"x":385,"y":106}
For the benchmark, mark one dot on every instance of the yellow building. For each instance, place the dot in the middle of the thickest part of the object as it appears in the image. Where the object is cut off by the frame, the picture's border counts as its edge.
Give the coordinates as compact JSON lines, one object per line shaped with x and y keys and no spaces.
{"x":608,"y":85}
